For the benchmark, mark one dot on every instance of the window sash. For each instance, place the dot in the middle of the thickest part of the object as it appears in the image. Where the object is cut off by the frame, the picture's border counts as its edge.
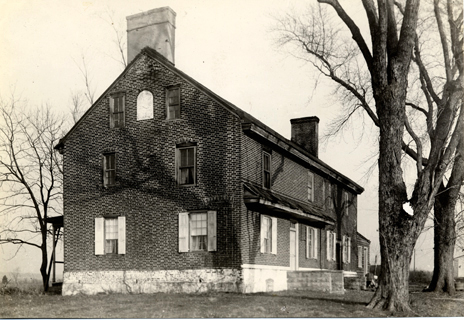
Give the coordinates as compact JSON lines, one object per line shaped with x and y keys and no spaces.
{"x":117,"y":111}
{"x":186,"y":165}
{"x":346,"y":203}
{"x":267,"y":170}
{"x":109,"y":169}
{"x":173,"y":102}
{"x":310,"y":186}
{"x":267,"y":223}
{"x":111,"y":235}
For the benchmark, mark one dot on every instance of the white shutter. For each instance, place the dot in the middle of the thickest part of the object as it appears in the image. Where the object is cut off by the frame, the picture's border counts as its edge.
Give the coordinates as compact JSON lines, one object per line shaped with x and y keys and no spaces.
{"x":111,"y":112}
{"x":212,"y":227}
{"x":328,"y":244}
{"x":99,"y":236}
{"x":105,"y":179}
{"x":344,"y":242}
{"x":274,"y":235}
{"x":360,"y":257}
{"x":334,"y":242}
{"x":308,"y":255}
{"x":261,"y":247}
{"x":349,"y":250}
{"x":316,"y":243}
{"x":122,"y":235}
{"x":183,"y":232}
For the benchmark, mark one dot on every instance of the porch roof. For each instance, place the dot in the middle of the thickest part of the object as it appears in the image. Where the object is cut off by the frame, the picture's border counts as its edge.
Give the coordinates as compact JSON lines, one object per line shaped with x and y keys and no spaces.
{"x":259,"y":199}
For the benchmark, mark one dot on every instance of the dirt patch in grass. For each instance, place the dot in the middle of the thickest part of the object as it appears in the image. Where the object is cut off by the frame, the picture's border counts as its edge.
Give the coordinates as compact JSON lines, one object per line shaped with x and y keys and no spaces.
{"x":303,"y":304}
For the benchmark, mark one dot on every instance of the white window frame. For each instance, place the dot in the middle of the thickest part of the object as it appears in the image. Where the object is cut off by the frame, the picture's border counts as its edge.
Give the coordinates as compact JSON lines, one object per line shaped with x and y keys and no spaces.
{"x":121,"y":114}
{"x":179,"y":168}
{"x":312,"y":243}
{"x":145,"y":105}
{"x":185,"y":243}
{"x":310,"y":186}
{"x":273,"y":234}
{"x":100,"y":235}
{"x":331,"y":242}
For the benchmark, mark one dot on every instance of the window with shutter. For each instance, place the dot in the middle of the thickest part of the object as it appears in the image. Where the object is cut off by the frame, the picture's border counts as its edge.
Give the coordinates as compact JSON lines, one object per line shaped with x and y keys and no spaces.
{"x":311,"y":242}
{"x":110,"y":235}
{"x":173,"y":102}
{"x":117,"y":110}
{"x":268,"y":234}
{"x":331,"y":245}
{"x":197,"y":231}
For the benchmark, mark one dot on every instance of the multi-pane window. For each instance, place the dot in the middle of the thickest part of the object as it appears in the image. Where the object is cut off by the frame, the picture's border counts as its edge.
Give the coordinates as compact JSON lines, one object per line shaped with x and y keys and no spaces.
{"x":145,"y":105}
{"x":331,"y":243}
{"x":310,"y":186}
{"x":110,"y":235}
{"x":186,"y":165}
{"x":346,"y":203}
{"x":330,"y":197}
{"x":266,"y":170}
{"x":109,"y":169}
{"x":346,"y":249}
{"x":268,"y":234}
{"x":117,"y":107}
{"x":173,"y":102}
{"x":197,"y":231}
{"x":312,"y":242}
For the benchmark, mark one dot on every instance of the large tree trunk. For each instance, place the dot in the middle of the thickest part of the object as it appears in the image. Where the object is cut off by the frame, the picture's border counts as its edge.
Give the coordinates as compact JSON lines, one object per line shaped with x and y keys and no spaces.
{"x":444,"y":240}
{"x":445,"y":227}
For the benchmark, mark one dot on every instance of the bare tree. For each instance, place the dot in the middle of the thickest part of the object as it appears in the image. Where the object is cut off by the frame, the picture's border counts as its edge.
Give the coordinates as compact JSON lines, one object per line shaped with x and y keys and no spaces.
{"x":30,"y":176}
{"x":387,"y":95}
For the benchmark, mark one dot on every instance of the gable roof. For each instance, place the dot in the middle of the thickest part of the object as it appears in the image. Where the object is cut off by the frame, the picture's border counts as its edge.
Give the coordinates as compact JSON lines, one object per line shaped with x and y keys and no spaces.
{"x":249,"y":123}
{"x":363,"y":237}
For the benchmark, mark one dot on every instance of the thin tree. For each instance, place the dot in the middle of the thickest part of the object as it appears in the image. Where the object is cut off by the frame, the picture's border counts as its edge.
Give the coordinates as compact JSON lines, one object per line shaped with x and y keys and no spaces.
{"x":30,"y":177}
{"x":387,"y":98}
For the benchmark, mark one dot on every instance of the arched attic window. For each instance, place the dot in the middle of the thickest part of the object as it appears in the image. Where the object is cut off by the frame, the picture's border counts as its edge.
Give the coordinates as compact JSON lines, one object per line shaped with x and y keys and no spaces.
{"x":145,"y":105}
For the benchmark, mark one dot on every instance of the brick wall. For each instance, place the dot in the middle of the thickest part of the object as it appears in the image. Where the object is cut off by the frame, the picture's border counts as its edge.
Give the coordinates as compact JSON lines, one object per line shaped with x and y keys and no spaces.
{"x":290,"y":178}
{"x":146,"y":191}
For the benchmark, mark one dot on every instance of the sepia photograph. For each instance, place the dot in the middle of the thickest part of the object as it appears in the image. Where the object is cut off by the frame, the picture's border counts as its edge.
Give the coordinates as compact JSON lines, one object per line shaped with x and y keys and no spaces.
{"x":231,"y":159}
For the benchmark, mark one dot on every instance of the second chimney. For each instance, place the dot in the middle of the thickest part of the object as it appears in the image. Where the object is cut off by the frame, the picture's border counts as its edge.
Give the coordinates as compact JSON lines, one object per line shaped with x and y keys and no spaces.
{"x":155,"y":29}
{"x":305,"y":133}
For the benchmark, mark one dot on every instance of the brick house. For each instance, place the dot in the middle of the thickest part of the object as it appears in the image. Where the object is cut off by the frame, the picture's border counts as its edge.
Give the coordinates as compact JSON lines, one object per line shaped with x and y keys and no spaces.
{"x":168,"y":188}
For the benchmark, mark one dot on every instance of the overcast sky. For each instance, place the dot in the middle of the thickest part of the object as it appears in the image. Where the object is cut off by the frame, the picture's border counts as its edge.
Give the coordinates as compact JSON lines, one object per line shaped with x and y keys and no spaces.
{"x":225,"y":45}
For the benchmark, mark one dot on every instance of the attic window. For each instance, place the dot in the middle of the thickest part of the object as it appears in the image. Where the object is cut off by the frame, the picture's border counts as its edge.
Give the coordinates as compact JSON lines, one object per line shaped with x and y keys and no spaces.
{"x":173,"y":102}
{"x":117,"y":108}
{"x":144,"y":105}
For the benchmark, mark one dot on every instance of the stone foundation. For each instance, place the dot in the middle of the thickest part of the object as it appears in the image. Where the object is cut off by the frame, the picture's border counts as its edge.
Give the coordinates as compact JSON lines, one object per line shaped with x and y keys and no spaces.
{"x":317,"y":280}
{"x":175,"y":281}
{"x":264,"y":278}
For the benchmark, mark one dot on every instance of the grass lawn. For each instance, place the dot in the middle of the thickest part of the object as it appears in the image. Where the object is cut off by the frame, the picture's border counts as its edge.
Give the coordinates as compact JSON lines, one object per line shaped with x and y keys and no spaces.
{"x":219,"y":305}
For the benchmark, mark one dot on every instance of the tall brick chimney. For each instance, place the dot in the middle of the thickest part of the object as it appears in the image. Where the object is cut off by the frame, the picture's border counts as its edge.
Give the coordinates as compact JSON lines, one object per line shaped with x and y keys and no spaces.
{"x":154,"y":28}
{"x":305,"y":133}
